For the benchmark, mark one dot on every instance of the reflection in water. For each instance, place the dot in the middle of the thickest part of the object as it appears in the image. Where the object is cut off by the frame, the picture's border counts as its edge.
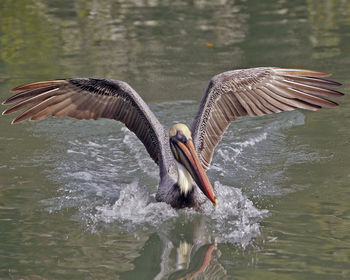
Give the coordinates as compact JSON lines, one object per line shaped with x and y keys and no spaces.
{"x":186,"y":256}
{"x":208,"y":269}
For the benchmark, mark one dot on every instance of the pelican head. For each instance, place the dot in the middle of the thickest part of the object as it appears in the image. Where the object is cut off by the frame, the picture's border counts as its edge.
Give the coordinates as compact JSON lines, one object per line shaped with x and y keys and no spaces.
{"x":190,"y":170}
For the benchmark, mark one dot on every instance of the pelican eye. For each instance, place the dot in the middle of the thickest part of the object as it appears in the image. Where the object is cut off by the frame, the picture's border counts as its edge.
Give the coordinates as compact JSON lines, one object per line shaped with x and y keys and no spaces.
{"x":181,"y":137}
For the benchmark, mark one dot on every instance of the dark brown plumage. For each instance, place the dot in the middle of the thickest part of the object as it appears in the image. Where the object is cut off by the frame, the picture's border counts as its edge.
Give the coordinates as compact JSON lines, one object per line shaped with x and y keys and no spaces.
{"x":88,"y":99}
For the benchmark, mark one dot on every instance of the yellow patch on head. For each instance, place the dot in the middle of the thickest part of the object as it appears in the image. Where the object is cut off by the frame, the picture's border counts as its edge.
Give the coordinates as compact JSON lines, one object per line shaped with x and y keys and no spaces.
{"x":180,"y":127}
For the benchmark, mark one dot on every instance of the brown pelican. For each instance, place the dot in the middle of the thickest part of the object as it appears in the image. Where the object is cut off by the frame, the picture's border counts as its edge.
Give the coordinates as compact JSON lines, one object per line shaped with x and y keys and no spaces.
{"x":183,"y":155}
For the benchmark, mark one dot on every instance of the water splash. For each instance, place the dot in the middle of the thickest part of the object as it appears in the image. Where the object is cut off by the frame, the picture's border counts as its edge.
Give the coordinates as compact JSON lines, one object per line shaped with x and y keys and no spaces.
{"x":137,"y":151}
{"x":108,"y":176}
{"x":234,"y":220}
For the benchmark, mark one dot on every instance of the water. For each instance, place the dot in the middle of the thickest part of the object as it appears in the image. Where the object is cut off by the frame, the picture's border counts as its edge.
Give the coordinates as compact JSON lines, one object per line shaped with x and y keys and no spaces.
{"x":77,"y":198}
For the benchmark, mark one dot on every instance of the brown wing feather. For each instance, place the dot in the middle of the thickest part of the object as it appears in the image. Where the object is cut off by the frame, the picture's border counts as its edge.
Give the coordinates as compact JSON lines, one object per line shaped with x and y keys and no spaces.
{"x":90,"y":99}
{"x":255,"y":92}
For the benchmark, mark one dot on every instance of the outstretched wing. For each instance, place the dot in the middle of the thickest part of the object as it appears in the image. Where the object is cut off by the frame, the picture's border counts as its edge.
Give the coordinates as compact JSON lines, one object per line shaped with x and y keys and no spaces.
{"x":255,"y":92}
{"x":90,"y":99}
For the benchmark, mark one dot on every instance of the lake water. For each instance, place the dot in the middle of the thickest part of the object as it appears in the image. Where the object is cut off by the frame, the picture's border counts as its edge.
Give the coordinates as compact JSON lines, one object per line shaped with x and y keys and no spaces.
{"x":77,"y":197}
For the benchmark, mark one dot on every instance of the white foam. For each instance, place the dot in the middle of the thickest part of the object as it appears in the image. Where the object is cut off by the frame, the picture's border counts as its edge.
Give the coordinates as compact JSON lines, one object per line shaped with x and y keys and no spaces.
{"x":70,"y":151}
{"x":82,"y":175}
{"x":135,"y":208}
{"x":95,"y":145}
{"x":252,"y":141}
{"x":235,"y":219}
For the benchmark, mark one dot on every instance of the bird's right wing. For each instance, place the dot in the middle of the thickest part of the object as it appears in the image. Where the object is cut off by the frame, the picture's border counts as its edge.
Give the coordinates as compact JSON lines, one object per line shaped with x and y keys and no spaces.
{"x":90,"y":99}
{"x":255,"y":92}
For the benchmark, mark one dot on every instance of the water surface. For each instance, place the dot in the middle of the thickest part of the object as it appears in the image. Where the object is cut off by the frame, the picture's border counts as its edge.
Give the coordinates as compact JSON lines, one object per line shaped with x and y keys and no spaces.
{"x":77,"y":197}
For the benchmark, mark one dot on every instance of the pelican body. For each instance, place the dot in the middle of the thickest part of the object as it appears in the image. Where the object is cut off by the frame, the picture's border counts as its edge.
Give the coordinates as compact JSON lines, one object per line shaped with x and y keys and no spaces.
{"x":183,"y":154}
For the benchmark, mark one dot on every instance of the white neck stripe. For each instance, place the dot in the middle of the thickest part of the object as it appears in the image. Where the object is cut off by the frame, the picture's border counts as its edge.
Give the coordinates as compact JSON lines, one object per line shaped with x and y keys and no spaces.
{"x":184,"y":179}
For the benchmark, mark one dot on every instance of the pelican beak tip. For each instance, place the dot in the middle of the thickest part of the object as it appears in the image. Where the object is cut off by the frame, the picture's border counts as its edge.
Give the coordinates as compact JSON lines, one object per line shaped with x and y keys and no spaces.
{"x":215,"y":202}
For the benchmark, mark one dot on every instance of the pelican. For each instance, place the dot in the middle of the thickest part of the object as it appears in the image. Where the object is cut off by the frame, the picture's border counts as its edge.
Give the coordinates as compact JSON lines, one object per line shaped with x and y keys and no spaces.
{"x":183,"y":154}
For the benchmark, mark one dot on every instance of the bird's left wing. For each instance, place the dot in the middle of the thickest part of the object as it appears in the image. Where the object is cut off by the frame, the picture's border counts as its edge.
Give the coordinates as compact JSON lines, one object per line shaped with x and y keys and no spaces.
{"x":90,"y":99}
{"x":255,"y":92}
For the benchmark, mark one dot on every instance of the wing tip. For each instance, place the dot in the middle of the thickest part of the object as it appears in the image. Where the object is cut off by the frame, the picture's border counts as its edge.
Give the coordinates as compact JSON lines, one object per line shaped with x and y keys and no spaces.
{"x":36,"y":85}
{"x":5,"y":112}
{"x":332,"y":104}
{"x":303,"y":72}
{"x":18,"y":119}
{"x":336,"y":84}
{"x":10,"y":100}
{"x":14,"y":121}
{"x":20,"y":88}
{"x":337,"y":94}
